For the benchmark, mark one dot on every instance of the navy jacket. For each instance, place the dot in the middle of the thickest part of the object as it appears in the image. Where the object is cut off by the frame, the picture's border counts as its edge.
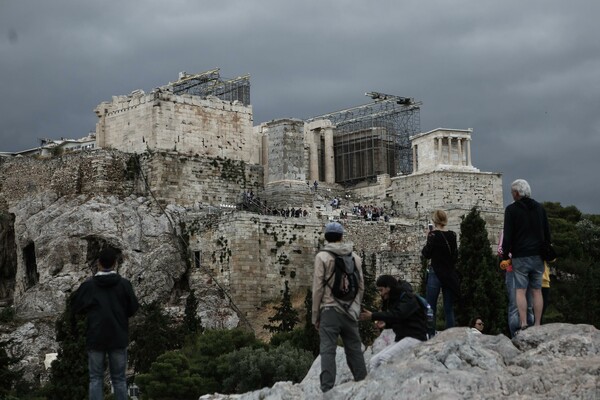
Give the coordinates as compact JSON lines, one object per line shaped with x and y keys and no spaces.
{"x":525,"y":229}
{"x":109,"y":301}
{"x":403,"y":312}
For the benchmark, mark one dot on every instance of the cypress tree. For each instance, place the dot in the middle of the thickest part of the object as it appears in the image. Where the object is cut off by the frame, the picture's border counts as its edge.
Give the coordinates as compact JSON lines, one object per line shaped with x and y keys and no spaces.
{"x":311,"y":335}
{"x":69,"y":377}
{"x":192,"y":323}
{"x":152,"y":335}
{"x":367,"y":329}
{"x":483,"y":292}
{"x":285,"y":314}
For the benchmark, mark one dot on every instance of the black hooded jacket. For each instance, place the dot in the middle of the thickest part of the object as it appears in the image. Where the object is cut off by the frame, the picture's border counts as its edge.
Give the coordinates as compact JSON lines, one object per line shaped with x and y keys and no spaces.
{"x":109,"y":301}
{"x":525,"y":229}
{"x":403,"y":312}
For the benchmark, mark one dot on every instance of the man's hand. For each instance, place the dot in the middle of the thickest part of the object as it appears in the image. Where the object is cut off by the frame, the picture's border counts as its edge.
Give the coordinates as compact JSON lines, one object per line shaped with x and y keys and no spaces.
{"x":317,"y":325}
{"x":365,"y":315}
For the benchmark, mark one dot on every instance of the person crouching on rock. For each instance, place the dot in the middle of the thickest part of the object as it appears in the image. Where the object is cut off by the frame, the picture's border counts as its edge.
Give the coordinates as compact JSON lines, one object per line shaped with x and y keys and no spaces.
{"x":402,"y":312}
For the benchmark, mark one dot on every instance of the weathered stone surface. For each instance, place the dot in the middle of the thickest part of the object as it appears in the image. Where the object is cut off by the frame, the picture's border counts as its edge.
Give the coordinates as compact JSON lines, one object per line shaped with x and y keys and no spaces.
{"x":555,"y":361}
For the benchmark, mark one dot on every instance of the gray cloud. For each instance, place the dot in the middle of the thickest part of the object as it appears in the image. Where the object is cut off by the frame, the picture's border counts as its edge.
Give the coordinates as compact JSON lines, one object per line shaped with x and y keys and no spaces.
{"x":523,"y":75}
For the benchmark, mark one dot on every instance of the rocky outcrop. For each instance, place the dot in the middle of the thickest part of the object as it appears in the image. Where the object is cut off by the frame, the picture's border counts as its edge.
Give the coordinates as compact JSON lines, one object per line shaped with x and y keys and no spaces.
{"x":555,"y":361}
{"x":54,"y":242}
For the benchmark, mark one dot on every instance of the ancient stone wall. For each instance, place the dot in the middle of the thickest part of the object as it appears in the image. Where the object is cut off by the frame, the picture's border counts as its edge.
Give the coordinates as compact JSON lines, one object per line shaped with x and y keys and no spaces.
{"x":175,"y":178}
{"x":254,"y":255}
{"x":417,"y":196}
{"x":95,"y":172}
{"x":186,"y":124}
{"x":285,"y":149}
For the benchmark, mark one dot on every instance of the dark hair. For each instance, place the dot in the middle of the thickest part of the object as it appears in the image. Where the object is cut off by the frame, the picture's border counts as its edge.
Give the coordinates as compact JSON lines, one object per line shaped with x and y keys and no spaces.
{"x":386,"y":281}
{"x":108,"y":257}
{"x":474,"y":320}
{"x":332,"y":237}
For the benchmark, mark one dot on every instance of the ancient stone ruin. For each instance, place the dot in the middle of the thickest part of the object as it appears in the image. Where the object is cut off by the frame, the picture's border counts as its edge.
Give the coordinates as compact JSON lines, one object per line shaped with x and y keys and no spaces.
{"x":196,"y":197}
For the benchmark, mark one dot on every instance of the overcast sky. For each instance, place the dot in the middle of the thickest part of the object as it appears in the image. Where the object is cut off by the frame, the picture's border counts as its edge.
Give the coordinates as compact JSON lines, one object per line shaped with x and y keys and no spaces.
{"x":525,"y":75}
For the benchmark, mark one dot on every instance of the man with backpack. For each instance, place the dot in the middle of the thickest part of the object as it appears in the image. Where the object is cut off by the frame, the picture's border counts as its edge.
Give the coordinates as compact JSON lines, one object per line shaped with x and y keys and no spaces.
{"x":338,"y":288}
{"x":402,"y":311}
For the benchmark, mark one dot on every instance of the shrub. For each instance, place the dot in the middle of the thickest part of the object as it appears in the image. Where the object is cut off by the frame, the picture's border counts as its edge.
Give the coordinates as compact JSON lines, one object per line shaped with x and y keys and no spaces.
{"x":250,"y":369}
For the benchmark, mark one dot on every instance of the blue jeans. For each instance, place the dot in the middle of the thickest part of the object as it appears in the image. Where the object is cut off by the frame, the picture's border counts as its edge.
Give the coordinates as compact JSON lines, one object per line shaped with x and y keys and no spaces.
{"x":513,"y":313}
{"x":433,"y":292}
{"x":117,"y":363}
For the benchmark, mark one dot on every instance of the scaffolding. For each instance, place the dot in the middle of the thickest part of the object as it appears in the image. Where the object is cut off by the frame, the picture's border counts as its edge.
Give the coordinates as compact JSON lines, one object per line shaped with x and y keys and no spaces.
{"x":374,"y":138}
{"x":209,"y":83}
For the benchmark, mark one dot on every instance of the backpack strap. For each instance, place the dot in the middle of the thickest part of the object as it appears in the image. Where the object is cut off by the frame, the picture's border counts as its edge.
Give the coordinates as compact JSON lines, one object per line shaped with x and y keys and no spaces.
{"x":326,"y":282}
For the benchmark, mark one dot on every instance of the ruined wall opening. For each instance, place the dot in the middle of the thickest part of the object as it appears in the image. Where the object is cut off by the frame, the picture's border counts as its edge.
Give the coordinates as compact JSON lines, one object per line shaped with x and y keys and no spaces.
{"x":32,"y":276}
{"x":8,"y":258}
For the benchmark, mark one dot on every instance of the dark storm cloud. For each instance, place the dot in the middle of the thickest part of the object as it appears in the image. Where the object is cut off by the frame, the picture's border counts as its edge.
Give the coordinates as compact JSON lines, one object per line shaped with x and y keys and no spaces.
{"x":523,"y":75}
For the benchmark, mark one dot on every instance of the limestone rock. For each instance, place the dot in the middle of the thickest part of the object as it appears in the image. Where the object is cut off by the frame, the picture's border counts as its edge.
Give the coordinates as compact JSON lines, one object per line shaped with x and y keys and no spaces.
{"x":57,"y":241}
{"x":555,"y":361}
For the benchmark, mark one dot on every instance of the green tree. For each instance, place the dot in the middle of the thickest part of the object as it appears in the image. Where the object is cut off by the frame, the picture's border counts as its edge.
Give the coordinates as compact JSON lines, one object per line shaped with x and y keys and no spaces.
{"x":367,"y":329}
{"x":306,"y":337}
{"x":482,"y":285}
{"x":170,"y":378}
{"x":250,"y":369}
{"x":192,"y":323}
{"x":286,"y":317}
{"x":204,"y":351}
{"x":575,"y":276}
{"x":152,"y":334}
{"x":69,"y":372}
{"x":8,"y":375}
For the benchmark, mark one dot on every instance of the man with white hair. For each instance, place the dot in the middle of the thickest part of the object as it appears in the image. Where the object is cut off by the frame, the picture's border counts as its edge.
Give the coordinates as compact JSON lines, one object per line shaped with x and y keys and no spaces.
{"x":525,"y":231}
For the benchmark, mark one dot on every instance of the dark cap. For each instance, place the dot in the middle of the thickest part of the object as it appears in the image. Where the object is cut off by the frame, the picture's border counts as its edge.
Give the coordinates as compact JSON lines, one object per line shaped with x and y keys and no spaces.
{"x":334,"y":227}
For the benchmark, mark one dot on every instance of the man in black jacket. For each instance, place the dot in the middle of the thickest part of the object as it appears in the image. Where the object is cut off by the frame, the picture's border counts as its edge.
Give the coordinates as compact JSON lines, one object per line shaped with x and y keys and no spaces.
{"x":108,"y":301}
{"x":525,"y":231}
{"x":402,"y":312}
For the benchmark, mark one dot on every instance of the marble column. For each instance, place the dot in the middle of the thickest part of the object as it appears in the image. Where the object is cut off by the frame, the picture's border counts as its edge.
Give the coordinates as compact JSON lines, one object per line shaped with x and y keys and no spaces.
{"x":329,"y":155}
{"x":314,"y":156}
{"x":414,"y":154}
{"x":469,"y":152}
{"x":460,"y":151}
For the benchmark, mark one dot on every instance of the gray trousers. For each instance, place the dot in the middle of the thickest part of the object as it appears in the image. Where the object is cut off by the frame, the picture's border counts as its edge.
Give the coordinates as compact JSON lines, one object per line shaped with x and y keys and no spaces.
{"x":333,"y":325}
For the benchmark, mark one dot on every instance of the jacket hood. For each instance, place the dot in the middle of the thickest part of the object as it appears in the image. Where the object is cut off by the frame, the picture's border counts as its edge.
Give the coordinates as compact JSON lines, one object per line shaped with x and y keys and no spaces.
{"x":107,"y":280}
{"x":529,"y":203}
{"x":339,"y":248}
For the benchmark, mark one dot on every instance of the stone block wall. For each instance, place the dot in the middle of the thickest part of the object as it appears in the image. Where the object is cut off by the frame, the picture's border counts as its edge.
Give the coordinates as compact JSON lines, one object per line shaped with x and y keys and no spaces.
{"x":285,"y":150}
{"x":175,"y":178}
{"x":417,"y":196}
{"x":252,"y":256}
{"x":187,"y":124}
{"x":94,"y":172}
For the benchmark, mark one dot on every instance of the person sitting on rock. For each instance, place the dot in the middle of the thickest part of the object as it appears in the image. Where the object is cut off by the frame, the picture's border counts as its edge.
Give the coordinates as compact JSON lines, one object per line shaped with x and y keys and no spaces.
{"x":402,"y":312}
{"x":476,"y":325}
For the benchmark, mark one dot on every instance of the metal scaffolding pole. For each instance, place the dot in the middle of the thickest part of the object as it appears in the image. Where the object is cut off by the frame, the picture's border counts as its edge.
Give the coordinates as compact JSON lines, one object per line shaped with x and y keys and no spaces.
{"x":209,"y":83}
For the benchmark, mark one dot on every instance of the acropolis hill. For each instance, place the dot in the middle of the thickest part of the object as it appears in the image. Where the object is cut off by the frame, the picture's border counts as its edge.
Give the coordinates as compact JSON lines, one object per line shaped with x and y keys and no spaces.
{"x":168,"y":184}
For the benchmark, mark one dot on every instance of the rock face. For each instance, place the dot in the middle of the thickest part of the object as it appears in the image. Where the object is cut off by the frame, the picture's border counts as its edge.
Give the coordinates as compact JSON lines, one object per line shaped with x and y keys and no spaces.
{"x":555,"y":361}
{"x":58,"y":239}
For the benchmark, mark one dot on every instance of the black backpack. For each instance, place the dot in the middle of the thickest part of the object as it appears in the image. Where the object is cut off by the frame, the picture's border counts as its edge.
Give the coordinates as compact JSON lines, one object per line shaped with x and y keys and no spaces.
{"x":346,"y":277}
